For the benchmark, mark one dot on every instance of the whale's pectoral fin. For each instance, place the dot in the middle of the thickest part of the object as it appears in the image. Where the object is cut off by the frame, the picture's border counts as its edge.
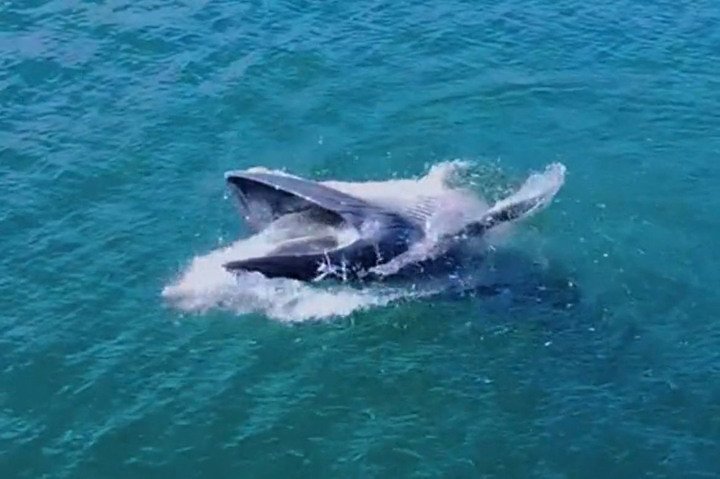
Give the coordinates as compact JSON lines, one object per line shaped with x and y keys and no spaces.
{"x":536,"y":193}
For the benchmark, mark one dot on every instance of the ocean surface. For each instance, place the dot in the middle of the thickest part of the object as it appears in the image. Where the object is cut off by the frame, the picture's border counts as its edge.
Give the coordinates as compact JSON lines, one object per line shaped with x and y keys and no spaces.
{"x":118,"y":120}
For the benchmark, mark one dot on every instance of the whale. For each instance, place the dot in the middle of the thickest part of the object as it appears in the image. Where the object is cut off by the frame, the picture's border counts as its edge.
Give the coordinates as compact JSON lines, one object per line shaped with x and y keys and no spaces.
{"x":332,"y":234}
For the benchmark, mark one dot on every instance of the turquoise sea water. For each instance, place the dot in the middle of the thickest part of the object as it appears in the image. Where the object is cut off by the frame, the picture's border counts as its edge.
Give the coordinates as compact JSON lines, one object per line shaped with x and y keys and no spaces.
{"x":118,"y":119}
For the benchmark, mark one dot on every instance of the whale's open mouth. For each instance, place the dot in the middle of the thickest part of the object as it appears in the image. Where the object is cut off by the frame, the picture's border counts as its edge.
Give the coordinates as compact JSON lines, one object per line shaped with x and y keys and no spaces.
{"x":314,"y":228}
{"x":297,"y":223}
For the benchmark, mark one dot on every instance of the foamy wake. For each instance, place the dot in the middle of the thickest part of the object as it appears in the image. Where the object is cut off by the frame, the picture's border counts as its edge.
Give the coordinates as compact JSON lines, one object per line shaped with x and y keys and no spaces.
{"x":435,"y":197}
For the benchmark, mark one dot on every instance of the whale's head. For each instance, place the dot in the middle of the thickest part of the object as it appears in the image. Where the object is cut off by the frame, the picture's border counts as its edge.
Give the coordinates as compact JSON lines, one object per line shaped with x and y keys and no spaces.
{"x":314,"y":226}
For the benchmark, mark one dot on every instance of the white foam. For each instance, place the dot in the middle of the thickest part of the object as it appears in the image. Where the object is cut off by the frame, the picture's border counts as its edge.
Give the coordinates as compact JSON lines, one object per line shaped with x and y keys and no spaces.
{"x":539,"y":188}
{"x":444,"y":206}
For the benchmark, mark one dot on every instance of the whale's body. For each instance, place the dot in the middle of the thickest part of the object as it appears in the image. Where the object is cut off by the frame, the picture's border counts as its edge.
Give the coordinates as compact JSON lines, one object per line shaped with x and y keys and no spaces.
{"x":330,"y":233}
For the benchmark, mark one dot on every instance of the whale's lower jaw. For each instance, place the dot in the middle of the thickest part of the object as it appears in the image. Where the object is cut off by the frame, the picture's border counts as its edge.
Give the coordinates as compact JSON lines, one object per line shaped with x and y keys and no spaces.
{"x":350,"y":262}
{"x":302,"y":268}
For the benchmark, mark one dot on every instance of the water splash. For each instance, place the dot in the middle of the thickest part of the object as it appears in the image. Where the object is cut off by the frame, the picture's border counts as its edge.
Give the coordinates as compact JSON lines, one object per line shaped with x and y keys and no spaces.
{"x":443,"y":199}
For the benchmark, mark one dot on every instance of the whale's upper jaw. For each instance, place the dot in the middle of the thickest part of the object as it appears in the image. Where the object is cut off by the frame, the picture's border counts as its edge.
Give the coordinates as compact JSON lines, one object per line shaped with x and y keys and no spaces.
{"x":263,"y":197}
